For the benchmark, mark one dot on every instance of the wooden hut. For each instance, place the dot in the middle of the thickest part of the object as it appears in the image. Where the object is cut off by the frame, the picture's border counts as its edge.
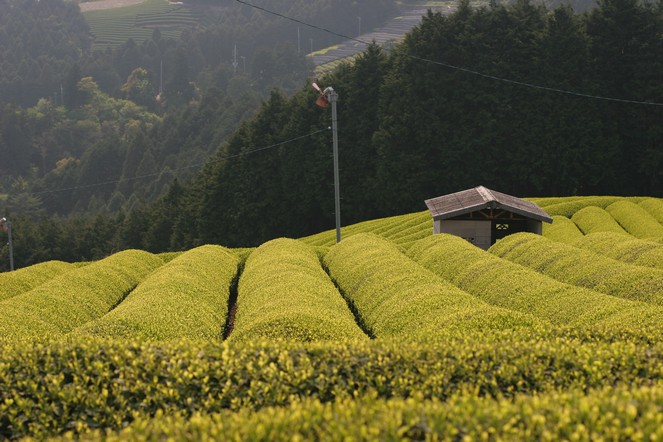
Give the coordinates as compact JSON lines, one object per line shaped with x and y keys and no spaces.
{"x":482,"y":216}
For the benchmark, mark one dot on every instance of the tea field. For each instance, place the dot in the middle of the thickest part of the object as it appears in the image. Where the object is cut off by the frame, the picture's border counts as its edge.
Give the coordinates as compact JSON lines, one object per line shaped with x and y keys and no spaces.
{"x":112,"y":27}
{"x":392,"y":334}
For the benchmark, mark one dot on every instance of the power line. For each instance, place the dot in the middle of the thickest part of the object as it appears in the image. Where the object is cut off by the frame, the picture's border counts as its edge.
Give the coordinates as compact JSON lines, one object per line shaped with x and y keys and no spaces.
{"x":301,"y":22}
{"x":535,"y":86}
{"x":460,"y":68}
{"x":215,"y":160}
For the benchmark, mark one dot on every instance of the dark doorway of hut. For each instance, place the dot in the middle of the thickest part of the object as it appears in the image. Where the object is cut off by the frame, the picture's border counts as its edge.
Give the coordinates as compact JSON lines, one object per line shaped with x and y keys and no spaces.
{"x":501,"y":228}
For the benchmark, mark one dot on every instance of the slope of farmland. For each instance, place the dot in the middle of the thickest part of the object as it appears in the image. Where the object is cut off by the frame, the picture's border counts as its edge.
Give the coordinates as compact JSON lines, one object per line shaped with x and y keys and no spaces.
{"x":572,"y":205}
{"x":562,"y":229}
{"x":582,"y":268}
{"x":525,"y":417}
{"x":76,"y":297}
{"x":636,"y":220}
{"x":509,"y":285}
{"x":188,"y":297}
{"x":394,"y":333}
{"x":81,"y":385}
{"x":624,"y":248}
{"x":285,"y":294}
{"x":394,"y":296}
{"x":593,"y":219}
{"x":23,"y":280}
{"x":114,"y":26}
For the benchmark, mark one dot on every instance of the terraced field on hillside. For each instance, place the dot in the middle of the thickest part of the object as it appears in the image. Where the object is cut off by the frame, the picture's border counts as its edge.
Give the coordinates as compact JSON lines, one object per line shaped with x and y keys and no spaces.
{"x":394,"y":333}
{"x":113,"y":27}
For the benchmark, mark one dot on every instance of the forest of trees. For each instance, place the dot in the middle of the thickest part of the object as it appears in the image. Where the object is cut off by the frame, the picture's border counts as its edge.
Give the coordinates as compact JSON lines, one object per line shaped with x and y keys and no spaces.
{"x":412,"y":125}
{"x":74,"y":117}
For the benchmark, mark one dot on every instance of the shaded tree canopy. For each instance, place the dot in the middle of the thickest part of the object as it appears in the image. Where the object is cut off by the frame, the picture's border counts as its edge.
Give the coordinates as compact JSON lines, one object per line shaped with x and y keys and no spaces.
{"x":411,"y":127}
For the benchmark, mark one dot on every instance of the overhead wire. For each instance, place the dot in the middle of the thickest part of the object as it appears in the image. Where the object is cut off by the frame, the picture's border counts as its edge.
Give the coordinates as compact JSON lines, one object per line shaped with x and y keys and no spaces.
{"x":414,"y":57}
{"x":460,"y":68}
{"x":211,"y":161}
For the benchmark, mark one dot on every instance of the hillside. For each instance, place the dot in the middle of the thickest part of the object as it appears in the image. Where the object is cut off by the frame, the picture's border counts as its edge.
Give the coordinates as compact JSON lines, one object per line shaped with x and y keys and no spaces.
{"x":392,"y":333}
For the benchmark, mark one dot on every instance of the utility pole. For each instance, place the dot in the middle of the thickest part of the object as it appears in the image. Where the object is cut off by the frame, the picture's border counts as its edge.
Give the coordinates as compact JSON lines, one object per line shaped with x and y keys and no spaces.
{"x":235,"y":63}
{"x":6,"y":225}
{"x":329,"y":95}
{"x":332,"y":96}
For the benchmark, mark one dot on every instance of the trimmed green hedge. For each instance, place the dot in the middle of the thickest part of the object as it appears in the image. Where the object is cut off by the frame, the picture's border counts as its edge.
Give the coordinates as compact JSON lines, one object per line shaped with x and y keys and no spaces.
{"x":188,"y":297}
{"x":25,"y":279}
{"x":395,"y":296}
{"x":569,"y":208}
{"x":582,"y":268}
{"x":510,"y":285}
{"x":50,"y":388}
{"x":401,"y":229}
{"x":624,"y":248}
{"x":562,"y":229}
{"x":655,"y":208}
{"x":284,"y":293}
{"x":635,"y":220}
{"x":76,"y":297}
{"x":621,"y":413}
{"x":595,"y":219}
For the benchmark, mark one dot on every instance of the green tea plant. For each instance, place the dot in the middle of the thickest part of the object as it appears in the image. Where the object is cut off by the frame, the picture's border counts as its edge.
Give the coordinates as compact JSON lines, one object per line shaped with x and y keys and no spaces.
{"x":49,"y":388}
{"x":621,"y":413}
{"x":395,"y":296}
{"x":510,"y":285}
{"x":582,"y":268}
{"x":186,"y":298}
{"x":562,"y":229}
{"x":25,"y":279}
{"x":654,"y":206}
{"x":624,"y":248}
{"x":75,"y":297}
{"x":112,"y":27}
{"x":595,"y":219}
{"x":635,"y":220}
{"x":401,"y":229}
{"x":284,"y":293}
{"x":569,"y":208}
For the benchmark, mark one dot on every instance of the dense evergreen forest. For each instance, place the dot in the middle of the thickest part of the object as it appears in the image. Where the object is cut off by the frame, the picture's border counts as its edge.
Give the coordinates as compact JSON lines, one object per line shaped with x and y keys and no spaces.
{"x":412,"y":125}
{"x":73,"y":117}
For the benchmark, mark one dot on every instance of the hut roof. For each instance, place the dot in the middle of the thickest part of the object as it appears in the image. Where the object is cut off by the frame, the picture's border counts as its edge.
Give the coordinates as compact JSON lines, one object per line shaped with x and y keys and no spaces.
{"x":479,"y":198}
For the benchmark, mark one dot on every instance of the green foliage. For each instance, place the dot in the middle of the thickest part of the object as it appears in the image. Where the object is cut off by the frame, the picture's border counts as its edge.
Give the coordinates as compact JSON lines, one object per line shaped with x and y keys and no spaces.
{"x":38,"y":44}
{"x":510,"y":285}
{"x":401,"y":229}
{"x":654,"y":206}
{"x":553,"y":200}
{"x":595,"y":219}
{"x":77,"y":385}
{"x":169,"y":256}
{"x":582,"y":268}
{"x":618,"y":413}
{"x":624,"y":248}
{"x":112,"y":27}
{"x":575,"y":204}
{"x":635,"y":220}
{"x":186,"y":298}
{"x":76,"y":297}
{"x":25,"y":279}
{"x":285,"y":294}
{"x":562,"y":229}
{"x":395,"y":296}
